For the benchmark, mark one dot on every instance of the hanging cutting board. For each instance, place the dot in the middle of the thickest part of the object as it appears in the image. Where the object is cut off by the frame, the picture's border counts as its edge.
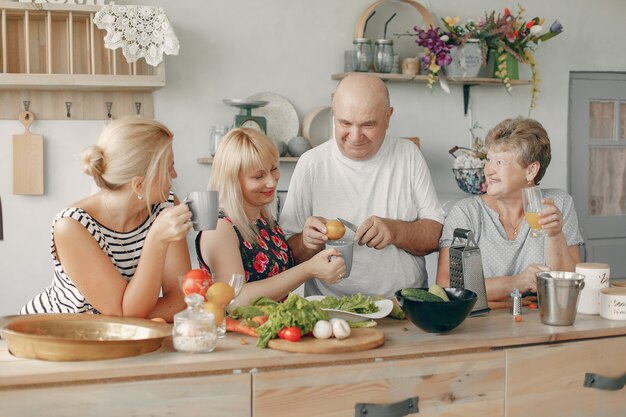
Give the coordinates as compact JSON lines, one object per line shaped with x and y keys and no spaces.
{"x":360,"y":339}
{"x":27,"y":159}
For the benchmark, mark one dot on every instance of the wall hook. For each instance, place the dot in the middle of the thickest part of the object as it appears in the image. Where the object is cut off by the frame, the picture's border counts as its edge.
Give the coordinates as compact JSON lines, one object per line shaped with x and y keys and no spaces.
{"x":109,"y":105}
{"x":138,"y":107}
{"x":68,"y":107}
{"x":26,"y":104}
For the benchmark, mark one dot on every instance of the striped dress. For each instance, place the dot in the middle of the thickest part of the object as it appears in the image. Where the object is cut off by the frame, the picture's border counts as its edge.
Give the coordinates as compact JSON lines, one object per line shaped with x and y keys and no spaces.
{"x":123,"y":249}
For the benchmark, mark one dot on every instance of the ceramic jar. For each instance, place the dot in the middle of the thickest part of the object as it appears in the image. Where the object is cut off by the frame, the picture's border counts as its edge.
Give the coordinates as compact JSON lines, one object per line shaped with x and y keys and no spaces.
{"x":466,"y":60}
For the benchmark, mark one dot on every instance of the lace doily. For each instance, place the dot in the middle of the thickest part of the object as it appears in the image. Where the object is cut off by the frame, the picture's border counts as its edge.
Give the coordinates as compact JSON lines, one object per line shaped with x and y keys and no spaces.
{"x":141,"y":31}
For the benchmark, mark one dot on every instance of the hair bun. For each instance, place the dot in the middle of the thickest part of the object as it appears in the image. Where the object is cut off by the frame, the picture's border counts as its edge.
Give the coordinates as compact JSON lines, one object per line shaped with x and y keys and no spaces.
{"x":93,"y":162}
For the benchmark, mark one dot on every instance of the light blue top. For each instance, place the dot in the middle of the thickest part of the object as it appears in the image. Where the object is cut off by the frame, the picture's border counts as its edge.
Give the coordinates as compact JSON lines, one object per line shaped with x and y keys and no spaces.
{"x":501,"y":256}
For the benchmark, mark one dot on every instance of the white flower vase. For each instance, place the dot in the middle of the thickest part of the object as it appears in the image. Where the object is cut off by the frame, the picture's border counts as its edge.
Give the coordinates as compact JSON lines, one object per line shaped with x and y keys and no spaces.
{"x":466,"y":60}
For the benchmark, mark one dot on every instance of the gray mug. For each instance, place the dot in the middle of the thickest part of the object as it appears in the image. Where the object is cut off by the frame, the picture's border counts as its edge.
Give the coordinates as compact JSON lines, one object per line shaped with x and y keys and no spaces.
{"x":204,"y":207}
{"x":345,"y":247}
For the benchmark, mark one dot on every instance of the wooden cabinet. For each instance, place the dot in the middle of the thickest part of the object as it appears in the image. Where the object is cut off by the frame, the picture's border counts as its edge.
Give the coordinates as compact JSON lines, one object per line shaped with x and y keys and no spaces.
{"x":469,"y":385}
{"x":221,"y":395}
{"x":548,"y":380}
{"x":488,"y":366}
{"x":53,"y":54}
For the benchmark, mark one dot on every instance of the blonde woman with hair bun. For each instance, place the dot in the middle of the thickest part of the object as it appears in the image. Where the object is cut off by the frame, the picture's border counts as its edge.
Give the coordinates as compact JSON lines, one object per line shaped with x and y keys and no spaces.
{"x":248,"y":240}
{"x":119,"y":252}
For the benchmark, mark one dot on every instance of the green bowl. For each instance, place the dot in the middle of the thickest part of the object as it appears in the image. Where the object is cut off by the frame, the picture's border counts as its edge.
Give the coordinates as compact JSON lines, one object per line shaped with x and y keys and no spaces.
{"x":439,"y":316}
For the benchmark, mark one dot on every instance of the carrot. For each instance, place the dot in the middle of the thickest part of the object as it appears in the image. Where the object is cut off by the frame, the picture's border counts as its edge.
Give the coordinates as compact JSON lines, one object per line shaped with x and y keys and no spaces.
{"x":233,"y":325}
{"x":260,"y":319}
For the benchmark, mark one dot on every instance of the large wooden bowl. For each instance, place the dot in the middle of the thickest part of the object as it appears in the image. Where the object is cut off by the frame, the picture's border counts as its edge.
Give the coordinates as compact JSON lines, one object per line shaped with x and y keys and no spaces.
{"x":81,"y":337}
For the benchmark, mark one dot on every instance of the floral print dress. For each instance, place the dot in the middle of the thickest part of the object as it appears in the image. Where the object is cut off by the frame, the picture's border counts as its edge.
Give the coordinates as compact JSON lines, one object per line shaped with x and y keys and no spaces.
{"x":266,"y":257}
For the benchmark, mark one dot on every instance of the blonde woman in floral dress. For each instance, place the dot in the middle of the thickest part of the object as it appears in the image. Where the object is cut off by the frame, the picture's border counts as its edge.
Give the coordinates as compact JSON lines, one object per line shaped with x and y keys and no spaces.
{"x":248,"y":240}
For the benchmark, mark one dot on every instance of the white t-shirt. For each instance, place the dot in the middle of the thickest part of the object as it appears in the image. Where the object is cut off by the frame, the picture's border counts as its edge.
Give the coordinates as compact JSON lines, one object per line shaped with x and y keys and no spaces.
{"x":395,"y":183}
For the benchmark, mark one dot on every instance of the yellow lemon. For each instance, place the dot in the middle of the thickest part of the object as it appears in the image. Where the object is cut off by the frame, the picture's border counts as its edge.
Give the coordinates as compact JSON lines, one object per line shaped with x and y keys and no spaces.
{"x":220,"y":293}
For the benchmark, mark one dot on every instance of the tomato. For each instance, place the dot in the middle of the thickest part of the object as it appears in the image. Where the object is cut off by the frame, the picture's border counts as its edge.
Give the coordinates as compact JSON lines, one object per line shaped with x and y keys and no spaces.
{"x":292,"y":333}
{"x":196,"y":281}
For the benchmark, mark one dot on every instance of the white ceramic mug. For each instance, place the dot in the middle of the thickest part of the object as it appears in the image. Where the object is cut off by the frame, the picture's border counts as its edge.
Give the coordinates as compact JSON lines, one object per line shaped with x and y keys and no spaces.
{"x":204,"y":206}
{"x":596,"y":277}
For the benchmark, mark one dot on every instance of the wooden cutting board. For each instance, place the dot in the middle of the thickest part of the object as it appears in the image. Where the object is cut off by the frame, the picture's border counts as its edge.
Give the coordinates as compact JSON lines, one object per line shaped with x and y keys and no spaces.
{"x":360,"y":339}
{"x":27,"y":159}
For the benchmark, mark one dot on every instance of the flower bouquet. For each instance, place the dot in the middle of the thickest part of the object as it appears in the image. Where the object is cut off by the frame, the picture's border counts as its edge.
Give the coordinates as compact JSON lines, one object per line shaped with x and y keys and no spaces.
{"x":437,"y":51}
{"x":511,"y":36}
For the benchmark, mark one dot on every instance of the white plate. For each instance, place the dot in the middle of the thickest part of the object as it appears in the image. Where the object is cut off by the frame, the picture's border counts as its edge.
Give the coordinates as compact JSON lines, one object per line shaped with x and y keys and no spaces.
{"x":384,"y":308}
{"x":317,"y":125}
{"x":282,"y":120}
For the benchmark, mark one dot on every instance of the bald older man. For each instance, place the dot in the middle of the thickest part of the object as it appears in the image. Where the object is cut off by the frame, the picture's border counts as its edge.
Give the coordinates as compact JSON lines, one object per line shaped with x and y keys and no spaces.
{"x":380,"y":183}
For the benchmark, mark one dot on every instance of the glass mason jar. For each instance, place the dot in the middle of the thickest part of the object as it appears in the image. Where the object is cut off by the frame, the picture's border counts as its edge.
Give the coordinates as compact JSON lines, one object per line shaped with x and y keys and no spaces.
{"x":363,"y":54}
{"x":383,"y":55}
{"x":194,"y":329}
{"x":217,"y":133}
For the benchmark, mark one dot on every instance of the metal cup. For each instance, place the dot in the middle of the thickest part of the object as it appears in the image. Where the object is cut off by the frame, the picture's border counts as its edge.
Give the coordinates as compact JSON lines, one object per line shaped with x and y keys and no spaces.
{"x":557,"y":294}
{"x":346,"y":248}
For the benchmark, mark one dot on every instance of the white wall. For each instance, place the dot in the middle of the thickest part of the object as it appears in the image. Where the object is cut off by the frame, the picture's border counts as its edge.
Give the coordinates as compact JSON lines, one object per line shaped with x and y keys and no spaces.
{"x":234,"y":48}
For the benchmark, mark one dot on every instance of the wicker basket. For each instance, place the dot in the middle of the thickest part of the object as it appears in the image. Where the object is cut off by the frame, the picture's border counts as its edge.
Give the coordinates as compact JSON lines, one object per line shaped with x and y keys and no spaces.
{"x":470,"y":180}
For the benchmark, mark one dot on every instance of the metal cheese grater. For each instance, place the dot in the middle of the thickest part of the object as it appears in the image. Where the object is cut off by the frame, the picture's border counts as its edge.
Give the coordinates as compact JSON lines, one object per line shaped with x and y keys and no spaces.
{"x":466,"y":269}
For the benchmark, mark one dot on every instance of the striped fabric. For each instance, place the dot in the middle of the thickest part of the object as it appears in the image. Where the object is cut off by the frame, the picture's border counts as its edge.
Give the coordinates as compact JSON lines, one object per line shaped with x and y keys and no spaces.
{"x":123,"y":249}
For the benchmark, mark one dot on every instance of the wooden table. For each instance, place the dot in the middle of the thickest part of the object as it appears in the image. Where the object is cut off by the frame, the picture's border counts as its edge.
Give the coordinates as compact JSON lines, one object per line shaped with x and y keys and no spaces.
{"x":489,"y":366}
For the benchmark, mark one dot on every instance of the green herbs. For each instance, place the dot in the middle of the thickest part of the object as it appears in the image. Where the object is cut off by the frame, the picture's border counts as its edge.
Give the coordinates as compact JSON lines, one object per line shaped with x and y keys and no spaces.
{"x":358,"y":303}
{"x":294,"y":311}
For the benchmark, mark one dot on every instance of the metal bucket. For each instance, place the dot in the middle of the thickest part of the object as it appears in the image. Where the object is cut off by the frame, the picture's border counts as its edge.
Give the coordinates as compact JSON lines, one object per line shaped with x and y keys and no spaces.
{"x":557,"y":293}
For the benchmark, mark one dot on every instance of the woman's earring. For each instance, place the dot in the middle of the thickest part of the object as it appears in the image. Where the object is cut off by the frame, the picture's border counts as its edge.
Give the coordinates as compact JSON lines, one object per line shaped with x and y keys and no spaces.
{"x":139,"y":197}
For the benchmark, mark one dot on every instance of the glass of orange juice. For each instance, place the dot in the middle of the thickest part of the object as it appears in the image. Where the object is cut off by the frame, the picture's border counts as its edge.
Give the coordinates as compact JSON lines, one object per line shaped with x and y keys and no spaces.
{"x":531,"y":198}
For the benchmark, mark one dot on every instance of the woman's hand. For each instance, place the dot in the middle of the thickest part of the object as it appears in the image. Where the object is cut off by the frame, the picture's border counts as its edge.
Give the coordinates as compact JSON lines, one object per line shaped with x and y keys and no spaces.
{"x":314,"y":233}
{"x":172,"y":224}
{"x":551,"y":218}
{"x":329,"y":271}
{"x":526,"y":281}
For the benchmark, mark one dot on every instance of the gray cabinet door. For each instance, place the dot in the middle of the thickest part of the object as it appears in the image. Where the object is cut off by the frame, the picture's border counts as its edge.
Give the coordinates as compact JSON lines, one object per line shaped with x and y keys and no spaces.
{"x":597,"y":164}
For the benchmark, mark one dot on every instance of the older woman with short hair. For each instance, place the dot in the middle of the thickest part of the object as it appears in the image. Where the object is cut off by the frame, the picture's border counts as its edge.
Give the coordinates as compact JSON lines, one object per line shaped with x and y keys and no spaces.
{"x":248,"y":239}
{"x":518,"y":154}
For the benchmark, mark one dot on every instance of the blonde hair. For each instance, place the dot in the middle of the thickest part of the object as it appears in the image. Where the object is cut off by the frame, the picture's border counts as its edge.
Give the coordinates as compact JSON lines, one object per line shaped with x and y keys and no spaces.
{"x":242,"y":151}
{"x":130,"y":147}
{"x":526,"y":138}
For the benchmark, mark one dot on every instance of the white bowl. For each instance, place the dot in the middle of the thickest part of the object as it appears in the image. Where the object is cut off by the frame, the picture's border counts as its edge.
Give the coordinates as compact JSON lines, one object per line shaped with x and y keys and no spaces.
{"x":613,"y":303}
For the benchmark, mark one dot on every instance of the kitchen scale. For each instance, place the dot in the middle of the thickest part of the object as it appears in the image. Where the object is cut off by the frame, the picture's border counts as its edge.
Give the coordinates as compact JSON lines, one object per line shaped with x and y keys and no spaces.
{"x":245,"y":117}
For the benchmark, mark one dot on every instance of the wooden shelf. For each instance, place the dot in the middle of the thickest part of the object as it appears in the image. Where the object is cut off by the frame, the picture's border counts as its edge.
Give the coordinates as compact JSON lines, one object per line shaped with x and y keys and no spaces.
{"x":83,"y":82}
{"x":466,"y":82}
{"x":52,"y":56}
{"x":424,"y":79}
{"x":209,"y":159}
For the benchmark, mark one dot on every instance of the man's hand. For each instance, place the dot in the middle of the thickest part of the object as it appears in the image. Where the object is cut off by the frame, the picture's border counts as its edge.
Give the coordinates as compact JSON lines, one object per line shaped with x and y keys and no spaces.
{"x":375,"y":232}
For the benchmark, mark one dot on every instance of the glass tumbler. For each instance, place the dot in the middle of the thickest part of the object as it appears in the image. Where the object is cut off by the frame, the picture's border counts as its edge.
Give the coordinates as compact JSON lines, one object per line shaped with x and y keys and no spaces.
{"x":531,"y":197}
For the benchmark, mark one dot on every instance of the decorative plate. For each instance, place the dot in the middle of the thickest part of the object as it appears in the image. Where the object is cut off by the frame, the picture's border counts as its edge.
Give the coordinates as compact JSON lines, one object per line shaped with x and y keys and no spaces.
{"x":317,"y":125}
{"x":282,"y":120}
{"x":384,"y":308}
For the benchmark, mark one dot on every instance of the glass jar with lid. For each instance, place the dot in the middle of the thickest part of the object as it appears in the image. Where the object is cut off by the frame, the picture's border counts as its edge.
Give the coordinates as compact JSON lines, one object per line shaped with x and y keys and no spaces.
{"x":383,"y":55}
{"x":362,"y":54}
{"x":194,"y":328}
